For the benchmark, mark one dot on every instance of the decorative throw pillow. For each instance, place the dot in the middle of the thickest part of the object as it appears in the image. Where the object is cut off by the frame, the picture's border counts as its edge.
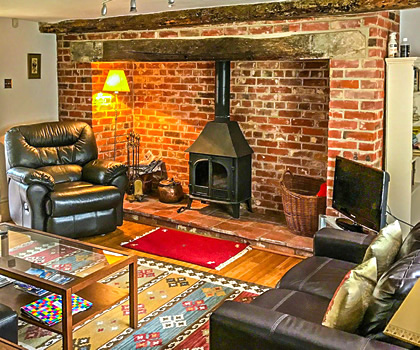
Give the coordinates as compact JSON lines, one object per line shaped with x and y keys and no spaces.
{"x":351,"y":299}
{"x":388,"y":295}
{"x":385,"y":247}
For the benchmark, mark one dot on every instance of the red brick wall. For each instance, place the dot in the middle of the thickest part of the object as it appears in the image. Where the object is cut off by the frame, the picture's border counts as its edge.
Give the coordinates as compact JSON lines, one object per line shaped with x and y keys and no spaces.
{"x":173,"y":102}
{"x":263,"y":105}
{"x":281,"y":106}
{"x":357,"y":99}
{"x":74,"y":86}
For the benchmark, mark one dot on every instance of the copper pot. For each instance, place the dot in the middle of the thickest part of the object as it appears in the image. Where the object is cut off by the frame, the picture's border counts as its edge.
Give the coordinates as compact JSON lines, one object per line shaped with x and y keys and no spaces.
{"x":170,"y":191}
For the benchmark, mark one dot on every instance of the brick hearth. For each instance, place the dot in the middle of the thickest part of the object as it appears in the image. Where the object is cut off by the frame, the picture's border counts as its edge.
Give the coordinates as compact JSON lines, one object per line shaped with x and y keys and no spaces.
{"x":260,"y":230}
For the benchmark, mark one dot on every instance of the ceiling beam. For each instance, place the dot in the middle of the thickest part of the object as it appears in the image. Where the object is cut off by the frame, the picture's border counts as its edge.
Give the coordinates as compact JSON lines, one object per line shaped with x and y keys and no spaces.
{"x":289,"y":9}
{"x":341,"y":44}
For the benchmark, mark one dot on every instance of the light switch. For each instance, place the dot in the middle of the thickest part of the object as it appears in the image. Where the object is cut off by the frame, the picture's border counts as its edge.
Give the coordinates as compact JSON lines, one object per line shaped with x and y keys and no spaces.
{"x":7,"y":83}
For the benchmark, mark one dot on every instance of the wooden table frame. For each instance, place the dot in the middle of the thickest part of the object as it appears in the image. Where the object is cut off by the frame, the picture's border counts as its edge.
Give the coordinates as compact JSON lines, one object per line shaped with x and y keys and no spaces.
{"x":8,"y":345}
{"x":86,"y":287}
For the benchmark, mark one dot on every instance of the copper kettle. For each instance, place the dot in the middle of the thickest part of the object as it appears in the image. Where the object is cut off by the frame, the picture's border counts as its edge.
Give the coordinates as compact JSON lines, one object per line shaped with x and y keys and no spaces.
{"x":170,"y":191}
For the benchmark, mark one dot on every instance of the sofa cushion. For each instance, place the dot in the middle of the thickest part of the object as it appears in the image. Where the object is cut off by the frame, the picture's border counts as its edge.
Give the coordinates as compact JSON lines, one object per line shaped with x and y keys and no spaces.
{"x":316,"y":275}
{"x":306,"y":306}
{"x":67,"y":200}
{"x":63,"y":173}
{"x":351,"y":299}
{"x":76,"y":184}
{"x":385,"y":247}
{"x":388,"y":295}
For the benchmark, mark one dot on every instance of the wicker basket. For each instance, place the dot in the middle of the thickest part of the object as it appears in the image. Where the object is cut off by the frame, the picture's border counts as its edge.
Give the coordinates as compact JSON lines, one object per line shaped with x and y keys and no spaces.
{"x":300,"y":204}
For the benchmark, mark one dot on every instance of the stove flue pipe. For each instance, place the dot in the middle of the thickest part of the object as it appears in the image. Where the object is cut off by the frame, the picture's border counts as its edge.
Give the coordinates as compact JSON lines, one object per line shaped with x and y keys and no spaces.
{"x":222,"y":93}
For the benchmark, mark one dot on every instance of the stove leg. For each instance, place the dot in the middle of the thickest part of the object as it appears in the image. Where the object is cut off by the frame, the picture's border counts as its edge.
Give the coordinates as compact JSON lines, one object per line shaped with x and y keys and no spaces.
{"x":236,"y":210}
{"x":249,"y":205}
{"x":187,"y":207}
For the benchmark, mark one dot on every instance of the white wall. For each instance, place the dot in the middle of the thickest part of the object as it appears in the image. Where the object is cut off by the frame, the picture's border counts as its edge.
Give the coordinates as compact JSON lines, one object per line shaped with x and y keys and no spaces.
{"x":410,"y":28}
{"x":30,"y":100}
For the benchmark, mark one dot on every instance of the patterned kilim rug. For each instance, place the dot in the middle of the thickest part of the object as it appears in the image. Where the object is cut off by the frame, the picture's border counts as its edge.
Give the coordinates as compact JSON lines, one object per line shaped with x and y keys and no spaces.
{"x":214,"y":253}
{"x":175,"y":304}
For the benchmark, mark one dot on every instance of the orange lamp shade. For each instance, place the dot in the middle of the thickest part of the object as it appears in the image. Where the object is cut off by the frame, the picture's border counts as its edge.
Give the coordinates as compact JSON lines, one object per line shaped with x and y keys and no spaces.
{"x":116,"y":81}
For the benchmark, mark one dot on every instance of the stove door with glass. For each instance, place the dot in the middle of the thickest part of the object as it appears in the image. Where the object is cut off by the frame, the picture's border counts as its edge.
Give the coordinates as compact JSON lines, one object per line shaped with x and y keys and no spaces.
{"x":212,"y":177}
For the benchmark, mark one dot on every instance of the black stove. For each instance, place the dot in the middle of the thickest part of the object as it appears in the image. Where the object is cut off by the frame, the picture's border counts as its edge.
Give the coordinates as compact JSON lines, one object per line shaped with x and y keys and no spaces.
{"x":220,"y":158}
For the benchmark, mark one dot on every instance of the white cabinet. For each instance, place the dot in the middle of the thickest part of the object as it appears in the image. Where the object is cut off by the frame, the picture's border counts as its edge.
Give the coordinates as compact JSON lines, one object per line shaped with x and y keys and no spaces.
{"x":403,"y":197}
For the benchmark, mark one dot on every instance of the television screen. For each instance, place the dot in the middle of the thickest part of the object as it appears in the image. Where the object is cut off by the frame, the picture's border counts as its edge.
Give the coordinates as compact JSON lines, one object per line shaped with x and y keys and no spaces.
{"x":360,"y":193}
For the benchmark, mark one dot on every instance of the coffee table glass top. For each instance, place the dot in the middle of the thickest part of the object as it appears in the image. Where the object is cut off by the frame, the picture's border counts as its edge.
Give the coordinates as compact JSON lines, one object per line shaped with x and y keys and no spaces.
{"x":22,"y":249}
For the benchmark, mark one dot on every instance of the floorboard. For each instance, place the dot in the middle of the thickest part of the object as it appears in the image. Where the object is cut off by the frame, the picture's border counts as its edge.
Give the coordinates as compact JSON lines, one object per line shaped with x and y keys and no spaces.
{"x":257,"y":266}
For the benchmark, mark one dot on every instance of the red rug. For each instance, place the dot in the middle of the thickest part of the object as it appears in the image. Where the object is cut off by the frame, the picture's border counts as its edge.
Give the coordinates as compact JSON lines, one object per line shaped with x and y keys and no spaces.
{"x":204,"y":251}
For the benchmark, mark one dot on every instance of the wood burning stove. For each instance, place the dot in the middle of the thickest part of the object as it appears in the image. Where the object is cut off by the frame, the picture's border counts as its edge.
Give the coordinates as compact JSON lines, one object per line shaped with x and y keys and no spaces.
{"x":220,"y":158}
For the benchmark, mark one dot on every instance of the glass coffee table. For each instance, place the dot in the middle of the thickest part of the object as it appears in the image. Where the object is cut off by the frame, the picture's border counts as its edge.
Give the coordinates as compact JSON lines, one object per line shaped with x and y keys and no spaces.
{"x":82,"y":265}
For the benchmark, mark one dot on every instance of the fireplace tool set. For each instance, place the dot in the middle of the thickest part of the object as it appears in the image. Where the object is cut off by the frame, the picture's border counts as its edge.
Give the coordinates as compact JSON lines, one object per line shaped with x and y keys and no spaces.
{"x":139,"y":173}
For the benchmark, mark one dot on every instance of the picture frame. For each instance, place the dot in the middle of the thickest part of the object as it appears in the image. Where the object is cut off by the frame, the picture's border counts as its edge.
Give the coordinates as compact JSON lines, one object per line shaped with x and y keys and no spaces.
{"x":34,"y":66}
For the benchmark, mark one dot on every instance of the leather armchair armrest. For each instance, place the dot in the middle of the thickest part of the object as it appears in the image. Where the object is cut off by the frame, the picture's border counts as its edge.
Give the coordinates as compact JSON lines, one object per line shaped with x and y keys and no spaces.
{"x":342,"y":245}
{"x":29,"y":176}
{"x":103,"y":172}
{"x":248,"y":327}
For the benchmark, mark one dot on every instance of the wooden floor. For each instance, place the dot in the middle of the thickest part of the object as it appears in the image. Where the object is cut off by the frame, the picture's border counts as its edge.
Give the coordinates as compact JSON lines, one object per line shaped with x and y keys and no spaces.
{"x":257,"y":266}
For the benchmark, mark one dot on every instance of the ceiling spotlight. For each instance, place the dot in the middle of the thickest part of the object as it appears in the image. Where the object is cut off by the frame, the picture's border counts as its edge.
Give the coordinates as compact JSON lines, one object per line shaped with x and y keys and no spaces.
{"x":171,"y":3}
{"x":104,"y":9}
{"x":133,"y":6}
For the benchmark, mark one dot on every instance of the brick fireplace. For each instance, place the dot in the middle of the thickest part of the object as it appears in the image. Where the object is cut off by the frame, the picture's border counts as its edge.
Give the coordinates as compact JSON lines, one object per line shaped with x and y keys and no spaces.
{"x":297,"y":113}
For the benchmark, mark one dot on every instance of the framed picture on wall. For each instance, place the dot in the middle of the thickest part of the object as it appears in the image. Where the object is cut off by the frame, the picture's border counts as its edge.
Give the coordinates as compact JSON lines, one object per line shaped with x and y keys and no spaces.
{"x":34,"y":66}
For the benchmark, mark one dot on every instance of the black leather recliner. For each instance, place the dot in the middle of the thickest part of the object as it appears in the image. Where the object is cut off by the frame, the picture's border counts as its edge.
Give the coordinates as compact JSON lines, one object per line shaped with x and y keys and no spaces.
{"x":57,"y":183}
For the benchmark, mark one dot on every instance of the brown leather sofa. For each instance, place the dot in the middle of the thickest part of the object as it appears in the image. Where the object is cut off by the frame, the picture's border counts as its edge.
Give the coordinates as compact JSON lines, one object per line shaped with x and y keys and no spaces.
{"x":290,"y":315}
{"x":57,"y":183}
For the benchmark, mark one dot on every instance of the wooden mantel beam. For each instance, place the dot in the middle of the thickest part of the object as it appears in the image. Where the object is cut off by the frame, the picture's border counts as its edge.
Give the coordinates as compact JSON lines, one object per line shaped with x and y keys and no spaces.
{"x":289,"y":9}
{"x":341,"y":44}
